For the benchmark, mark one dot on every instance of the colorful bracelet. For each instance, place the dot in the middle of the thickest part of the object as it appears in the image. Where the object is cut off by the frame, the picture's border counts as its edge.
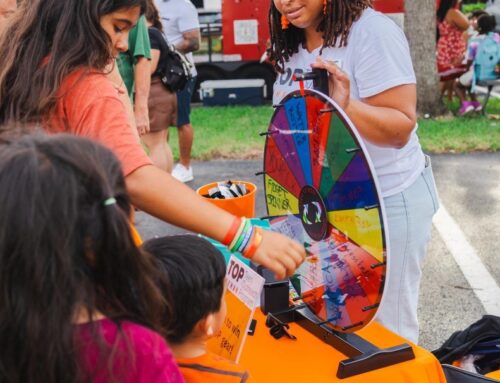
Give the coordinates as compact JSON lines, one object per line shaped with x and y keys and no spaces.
{"x":254,"y":243}
{"x":238,"y":234}
{"x":231,"y":233}
{"x":241,"y":236}
{"x":246,"y":240}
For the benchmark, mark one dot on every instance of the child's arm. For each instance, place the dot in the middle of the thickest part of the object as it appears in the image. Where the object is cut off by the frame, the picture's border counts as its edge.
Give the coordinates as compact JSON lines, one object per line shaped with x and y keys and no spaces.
{"x":158,"y":193}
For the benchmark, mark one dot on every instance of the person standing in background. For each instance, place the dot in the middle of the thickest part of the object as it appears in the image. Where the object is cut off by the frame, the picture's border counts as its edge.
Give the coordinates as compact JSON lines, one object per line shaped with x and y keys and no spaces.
{"x":182,"y":29}
{"x":135,"y":70}
{"x":451,"y":45}
{"x":7,"y":8}
{"x":162,"y":101}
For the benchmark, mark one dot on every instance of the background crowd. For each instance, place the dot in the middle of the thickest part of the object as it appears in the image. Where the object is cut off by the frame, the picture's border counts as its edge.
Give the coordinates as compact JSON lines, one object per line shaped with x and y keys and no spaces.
{"x":458,"y":38}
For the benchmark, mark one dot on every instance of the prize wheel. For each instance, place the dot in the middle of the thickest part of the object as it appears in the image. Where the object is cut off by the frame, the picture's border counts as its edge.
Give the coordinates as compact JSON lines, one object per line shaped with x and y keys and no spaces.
{"x":321,"y":191}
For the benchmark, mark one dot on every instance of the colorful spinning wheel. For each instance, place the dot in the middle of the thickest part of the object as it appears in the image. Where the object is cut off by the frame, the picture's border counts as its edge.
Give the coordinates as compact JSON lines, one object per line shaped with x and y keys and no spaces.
{"x":321,"y":191}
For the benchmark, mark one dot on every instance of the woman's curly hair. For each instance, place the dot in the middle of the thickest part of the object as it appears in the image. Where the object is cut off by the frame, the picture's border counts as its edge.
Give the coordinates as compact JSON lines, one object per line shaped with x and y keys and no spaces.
{"x":336,"y":25}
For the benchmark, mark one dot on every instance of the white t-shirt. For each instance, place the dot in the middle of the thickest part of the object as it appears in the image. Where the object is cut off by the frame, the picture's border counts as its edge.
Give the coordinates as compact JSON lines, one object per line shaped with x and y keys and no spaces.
{"x":376,"y":58}
{"x":177,"y":17}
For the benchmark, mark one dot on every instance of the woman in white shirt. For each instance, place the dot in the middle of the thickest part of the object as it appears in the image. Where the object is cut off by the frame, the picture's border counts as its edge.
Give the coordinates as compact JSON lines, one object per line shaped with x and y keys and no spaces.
{"x":371,"y":78}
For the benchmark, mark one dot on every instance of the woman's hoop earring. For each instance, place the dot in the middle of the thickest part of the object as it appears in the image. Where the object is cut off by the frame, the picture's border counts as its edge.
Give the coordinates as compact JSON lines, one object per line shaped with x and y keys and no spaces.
{"x":284,"y":22}
{"x":325,"y":4}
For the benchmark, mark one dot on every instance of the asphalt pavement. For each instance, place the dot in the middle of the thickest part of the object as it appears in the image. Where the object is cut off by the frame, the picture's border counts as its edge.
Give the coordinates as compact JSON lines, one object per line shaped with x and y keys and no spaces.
{"x":469,"y":188}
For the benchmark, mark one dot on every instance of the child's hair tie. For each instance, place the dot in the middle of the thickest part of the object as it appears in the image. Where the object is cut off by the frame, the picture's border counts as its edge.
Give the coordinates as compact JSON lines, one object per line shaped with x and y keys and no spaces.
{"x":110,"y":201}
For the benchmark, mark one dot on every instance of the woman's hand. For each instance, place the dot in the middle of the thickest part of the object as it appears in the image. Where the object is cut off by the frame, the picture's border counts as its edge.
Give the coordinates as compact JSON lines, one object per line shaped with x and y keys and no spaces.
{"x":385,"y":119}
{"x":279,"y":253}
{"x":339,"y":83}
{"x":141,"y":115}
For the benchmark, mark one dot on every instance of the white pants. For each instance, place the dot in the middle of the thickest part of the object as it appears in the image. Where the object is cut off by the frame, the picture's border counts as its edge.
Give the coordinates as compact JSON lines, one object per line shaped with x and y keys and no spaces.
{"x":409,"y":216}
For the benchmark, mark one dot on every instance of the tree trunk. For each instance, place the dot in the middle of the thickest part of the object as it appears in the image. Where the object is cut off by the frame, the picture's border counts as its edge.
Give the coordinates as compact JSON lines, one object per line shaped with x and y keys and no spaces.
{"x":420,"y":29}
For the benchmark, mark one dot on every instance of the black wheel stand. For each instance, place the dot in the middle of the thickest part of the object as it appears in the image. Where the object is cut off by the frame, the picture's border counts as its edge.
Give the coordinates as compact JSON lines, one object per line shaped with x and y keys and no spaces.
{"x":363,"y":355}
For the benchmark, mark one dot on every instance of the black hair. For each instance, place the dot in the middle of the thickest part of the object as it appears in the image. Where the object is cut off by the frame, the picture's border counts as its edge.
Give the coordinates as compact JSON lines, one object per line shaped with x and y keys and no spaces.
{"x":486,"y":23}
{"x":477,"y":13}
{"x":45,"y":41}
{"x":195,"y":272}
{"x":62,"y":249}
{"x":336,"y":25}
{"x":444,"y":7}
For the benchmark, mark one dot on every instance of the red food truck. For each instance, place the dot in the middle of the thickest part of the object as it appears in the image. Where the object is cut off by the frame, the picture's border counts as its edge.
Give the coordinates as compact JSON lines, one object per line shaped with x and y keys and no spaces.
{"x":235,"y":34}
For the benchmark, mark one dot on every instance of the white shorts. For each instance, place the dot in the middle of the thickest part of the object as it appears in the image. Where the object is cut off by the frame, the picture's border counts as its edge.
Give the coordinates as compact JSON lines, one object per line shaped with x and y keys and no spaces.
{"x":466,"y":78}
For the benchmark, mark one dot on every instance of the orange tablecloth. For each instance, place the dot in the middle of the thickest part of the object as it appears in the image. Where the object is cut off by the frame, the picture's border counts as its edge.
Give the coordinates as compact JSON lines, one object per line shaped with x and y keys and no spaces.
{"x":309,"y":360}
{"x":494,"y":375}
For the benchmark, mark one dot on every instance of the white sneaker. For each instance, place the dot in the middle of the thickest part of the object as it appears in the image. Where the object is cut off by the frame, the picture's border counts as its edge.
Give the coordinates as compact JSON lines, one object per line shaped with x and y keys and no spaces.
{"x":182,"y":173}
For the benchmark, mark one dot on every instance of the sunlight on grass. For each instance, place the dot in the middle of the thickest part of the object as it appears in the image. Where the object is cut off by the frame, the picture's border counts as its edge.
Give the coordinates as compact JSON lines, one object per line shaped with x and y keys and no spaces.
{"x":233,"y":132}
{"x":473,"y":132}
{"x":227,"y":132}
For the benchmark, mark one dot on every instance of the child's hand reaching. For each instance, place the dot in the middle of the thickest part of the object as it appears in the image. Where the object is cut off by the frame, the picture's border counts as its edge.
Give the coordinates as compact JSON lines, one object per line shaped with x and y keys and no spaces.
{"x":279,"y":253}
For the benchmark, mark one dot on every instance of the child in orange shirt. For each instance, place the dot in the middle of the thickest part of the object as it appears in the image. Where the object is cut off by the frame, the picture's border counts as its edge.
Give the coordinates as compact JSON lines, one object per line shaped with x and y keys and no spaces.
{"x":195,"y":271}
{"x":66,"y":66}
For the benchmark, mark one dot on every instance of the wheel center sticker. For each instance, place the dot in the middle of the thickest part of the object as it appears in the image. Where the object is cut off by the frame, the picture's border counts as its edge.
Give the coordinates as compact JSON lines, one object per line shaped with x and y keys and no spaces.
{"x":313,"y":213}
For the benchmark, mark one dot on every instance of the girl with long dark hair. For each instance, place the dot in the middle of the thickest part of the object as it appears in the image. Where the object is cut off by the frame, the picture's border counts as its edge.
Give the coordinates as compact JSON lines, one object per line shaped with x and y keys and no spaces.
{"x":79,"y":301}
{"x":371,"y":78}
{"x":52,"y":65}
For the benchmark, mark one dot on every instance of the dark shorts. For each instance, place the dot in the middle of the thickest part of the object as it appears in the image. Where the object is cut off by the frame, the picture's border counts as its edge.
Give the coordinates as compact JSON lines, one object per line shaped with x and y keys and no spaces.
{"x":184,"y":103}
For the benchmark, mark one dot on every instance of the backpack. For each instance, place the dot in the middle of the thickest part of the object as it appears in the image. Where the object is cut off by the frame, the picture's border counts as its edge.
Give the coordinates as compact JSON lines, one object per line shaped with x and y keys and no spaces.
{"x":176,"y":69}
{"x":486,"y":60}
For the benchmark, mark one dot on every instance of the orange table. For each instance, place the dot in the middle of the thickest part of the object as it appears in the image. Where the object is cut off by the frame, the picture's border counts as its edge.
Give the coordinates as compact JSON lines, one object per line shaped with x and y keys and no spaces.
{"x":309,"y":360}
{"x":494,"y":375}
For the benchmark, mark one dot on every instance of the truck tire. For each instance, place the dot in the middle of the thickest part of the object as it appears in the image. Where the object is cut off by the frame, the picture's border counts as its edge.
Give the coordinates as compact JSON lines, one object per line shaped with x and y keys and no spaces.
{"x":205,"y":73}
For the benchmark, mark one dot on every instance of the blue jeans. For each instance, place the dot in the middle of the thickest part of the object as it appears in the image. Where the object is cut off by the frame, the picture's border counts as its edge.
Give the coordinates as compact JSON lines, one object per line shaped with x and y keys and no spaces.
{"x":409,"y":215}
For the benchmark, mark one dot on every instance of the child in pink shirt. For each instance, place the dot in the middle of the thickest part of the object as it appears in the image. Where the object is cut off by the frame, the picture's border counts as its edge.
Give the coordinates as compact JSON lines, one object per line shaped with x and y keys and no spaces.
{"x":151,"y":362}
{"x":78,"y":300}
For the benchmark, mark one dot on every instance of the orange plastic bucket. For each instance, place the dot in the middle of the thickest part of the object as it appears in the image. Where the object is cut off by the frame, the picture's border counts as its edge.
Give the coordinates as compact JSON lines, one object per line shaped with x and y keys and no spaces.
{"x":243,"y":206}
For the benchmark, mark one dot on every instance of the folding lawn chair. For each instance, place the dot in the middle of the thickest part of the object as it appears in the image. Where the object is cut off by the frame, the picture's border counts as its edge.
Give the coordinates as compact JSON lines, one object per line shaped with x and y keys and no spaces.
{"x":489,"y":85}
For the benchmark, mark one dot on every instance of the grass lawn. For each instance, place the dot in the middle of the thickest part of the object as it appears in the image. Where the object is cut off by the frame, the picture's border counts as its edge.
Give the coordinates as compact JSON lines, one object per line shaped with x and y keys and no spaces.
{"x":233,"y":132}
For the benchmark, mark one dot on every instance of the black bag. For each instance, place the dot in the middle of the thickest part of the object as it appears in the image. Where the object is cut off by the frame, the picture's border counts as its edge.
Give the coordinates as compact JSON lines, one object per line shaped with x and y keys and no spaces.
{"x":176,"y":71}
{"x":463,"y":342}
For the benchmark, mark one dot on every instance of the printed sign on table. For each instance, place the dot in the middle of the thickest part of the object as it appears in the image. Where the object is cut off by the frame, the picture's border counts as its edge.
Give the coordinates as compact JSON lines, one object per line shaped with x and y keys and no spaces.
{"x":243,"y":291}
